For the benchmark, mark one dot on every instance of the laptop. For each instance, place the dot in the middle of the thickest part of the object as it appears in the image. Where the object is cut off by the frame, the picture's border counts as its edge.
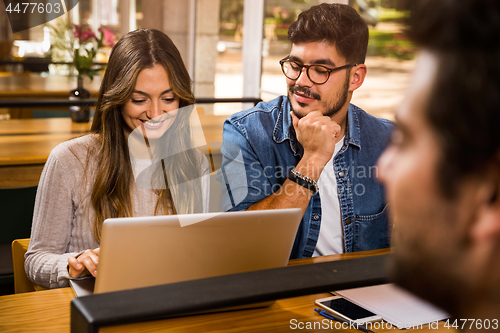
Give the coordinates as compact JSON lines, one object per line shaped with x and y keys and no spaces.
{"x":140,"y":252}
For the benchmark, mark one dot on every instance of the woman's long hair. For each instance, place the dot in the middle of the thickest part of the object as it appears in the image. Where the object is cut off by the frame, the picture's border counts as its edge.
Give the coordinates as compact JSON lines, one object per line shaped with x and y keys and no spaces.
{"x":111,"y":194}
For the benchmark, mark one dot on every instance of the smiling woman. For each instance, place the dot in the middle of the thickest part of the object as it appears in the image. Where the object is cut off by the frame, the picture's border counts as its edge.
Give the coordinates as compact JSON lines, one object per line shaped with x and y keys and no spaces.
{"x":139,"y":160}
{"x":152,"y":103}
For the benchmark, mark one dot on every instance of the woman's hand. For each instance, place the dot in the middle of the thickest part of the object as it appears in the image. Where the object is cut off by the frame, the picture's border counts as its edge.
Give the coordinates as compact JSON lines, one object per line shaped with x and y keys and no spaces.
{"x":85,"y":264}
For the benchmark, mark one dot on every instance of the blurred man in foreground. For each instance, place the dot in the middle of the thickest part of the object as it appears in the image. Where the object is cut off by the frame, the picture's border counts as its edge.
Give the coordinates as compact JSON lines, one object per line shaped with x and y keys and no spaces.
{"x":442,"y":170}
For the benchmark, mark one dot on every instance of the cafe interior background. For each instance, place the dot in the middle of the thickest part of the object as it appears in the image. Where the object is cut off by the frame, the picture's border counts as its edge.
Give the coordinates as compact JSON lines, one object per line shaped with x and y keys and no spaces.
{"x":231,"y":47}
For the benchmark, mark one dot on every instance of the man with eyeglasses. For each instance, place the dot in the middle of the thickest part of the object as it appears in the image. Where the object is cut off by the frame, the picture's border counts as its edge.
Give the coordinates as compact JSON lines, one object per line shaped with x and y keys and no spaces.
{"x":313,"y":149}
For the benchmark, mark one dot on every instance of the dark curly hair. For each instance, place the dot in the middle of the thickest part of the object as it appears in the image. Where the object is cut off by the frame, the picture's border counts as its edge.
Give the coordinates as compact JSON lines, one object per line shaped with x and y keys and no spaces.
{"x":340,"y":25}
{"x":464,"y":105}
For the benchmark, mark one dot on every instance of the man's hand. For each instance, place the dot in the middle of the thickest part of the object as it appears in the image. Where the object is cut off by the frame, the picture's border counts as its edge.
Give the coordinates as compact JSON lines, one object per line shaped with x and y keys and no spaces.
{"x":317,"y":134}
{"x":85,"y":264}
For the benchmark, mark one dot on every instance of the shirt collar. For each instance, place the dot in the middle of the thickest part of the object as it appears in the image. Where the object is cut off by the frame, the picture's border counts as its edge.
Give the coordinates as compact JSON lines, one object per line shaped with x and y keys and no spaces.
{"x":283,"y":129}
{"x":353,"y":133}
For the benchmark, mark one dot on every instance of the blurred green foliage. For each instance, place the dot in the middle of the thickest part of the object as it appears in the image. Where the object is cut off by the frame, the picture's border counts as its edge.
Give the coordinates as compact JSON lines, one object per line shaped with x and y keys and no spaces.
{"x":392,"y":15}
{"x":389,"y":44}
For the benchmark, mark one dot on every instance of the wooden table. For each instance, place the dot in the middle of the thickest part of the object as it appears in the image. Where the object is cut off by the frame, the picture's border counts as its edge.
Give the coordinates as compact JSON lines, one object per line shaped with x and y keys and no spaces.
{"x":25,"y":144}
{"x":33,"y":86}
{"x":37,"y":86}
{"x":48,"y":311}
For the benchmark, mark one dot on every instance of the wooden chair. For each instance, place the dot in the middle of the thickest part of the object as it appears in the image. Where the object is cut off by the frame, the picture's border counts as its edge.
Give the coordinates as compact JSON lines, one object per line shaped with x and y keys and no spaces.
{"x":21,"y":282}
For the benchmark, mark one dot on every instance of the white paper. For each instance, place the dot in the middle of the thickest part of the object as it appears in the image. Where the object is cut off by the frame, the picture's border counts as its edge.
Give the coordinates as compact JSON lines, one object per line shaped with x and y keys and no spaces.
{"x":395,"y":305}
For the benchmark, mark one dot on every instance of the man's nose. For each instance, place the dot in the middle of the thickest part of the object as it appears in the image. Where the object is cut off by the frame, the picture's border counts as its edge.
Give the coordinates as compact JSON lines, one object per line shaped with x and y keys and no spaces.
{"x":303,"y":79}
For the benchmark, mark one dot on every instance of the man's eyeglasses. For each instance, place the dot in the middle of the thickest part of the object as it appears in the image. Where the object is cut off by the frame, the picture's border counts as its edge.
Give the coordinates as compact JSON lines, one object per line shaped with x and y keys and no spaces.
{"x":318,"y":74}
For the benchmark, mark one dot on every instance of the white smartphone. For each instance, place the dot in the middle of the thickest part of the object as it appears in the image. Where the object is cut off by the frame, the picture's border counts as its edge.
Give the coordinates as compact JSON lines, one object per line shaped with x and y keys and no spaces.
{"x":345,"y":309}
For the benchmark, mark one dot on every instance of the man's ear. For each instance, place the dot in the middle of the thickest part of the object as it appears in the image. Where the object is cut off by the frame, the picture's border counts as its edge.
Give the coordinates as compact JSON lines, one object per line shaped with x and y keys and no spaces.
{"x":357,"y":77}
{"x":488,"y":219}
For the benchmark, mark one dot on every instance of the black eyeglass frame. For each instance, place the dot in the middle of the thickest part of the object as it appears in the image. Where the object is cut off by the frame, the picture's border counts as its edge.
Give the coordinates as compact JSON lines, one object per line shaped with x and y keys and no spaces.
{"x":329,"y":70}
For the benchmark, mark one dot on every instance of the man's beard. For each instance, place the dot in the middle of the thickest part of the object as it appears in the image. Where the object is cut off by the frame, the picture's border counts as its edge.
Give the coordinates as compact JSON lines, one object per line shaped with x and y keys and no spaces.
{"x":437,"y":278}
{"x":427,"y":283}
{"x":332,"y":110}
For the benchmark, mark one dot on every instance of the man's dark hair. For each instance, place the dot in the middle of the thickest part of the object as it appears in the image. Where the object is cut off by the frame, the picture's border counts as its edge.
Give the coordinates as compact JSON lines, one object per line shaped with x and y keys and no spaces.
{"x":464,"y":105}
{"x":340,"y":25}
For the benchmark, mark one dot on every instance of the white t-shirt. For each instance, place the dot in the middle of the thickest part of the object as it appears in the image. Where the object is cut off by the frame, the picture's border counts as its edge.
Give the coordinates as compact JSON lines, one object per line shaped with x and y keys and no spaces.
{"x":330,"y":240}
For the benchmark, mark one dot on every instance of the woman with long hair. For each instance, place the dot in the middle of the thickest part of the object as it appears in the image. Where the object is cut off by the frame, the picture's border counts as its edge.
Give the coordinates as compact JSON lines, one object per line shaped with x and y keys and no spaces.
{"x":138,"y":160}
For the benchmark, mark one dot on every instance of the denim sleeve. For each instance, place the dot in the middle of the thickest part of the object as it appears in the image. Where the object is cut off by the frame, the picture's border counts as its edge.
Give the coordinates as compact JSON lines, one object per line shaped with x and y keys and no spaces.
{"x":241,"y":172}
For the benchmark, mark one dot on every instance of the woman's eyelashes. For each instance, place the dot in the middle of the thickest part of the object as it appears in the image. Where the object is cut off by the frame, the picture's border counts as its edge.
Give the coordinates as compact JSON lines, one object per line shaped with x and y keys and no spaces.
{"x":142,"y":101}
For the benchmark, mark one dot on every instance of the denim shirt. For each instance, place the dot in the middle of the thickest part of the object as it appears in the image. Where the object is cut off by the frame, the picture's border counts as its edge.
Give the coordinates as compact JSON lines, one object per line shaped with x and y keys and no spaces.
{"x":260,"y":147}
